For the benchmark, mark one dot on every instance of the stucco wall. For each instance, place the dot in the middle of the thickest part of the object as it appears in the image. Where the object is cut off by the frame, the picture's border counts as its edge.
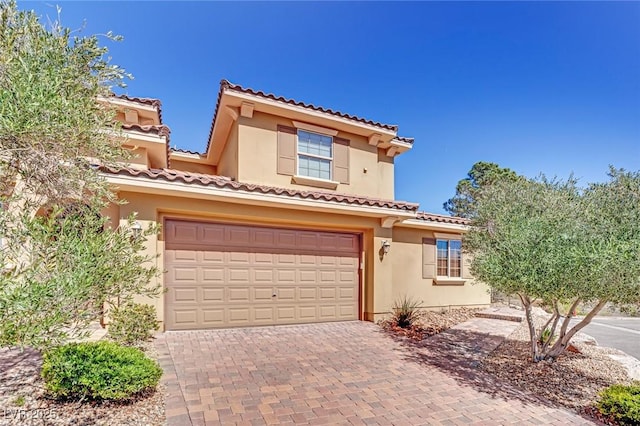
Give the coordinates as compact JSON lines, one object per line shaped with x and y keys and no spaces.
{"x":257,"y":159}
{"x":228,"y":164}
{"x":406,"y":256}
{"x":188,"y":166}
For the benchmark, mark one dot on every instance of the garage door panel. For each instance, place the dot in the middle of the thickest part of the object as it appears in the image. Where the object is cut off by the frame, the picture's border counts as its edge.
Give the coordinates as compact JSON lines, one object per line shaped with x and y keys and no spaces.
{"x":212,"y":234}
{"x":228,"y":276}
{"x":210,"y":257}
{"x":185,"y":295}
{"x":327,"y":312}
{"x":212,"y":294}
{"x":286,"y":293}
{"x":308,"y":294}
{"x":286,"y":275}
{"x":212,"y":275}
{"x":213,"y":317}
{"x":264,"y":314}
{"x":237,"y":276}
{"x":285,"y":314}
{"x":239,"y":294}
{"x":263,"y":294}
{"x":239,"y":315}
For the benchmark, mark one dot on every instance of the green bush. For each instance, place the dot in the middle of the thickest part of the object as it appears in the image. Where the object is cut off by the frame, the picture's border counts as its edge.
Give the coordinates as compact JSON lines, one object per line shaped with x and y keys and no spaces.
{"x":133,"y":323}
{"x":98,"y":370}
{"x":406,"y":312}
{"x":622,"y":402}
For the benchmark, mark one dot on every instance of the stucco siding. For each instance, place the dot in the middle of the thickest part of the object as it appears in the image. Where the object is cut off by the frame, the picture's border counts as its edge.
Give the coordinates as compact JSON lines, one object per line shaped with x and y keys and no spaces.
{"x":406,"y":256}
{"x":228,"y":165}
{"x":369,"y":175}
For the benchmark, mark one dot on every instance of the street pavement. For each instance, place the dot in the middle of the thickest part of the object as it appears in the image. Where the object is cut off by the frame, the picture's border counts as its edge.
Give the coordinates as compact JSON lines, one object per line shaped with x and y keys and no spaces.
{"x":615,"y":332}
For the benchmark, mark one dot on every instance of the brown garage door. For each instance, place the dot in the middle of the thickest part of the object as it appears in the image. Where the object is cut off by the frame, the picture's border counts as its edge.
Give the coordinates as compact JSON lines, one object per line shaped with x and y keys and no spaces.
{"x":221,"y":275}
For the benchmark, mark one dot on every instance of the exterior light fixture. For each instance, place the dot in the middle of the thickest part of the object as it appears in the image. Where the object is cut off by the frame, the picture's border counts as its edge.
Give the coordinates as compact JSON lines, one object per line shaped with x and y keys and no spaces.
{"x":386,"y":245}
{"x":136,"y":229}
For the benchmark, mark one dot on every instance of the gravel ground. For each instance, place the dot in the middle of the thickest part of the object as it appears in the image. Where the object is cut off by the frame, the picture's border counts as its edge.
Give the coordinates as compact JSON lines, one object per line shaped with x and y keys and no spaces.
{"x":23,"y":400}
{"x":430,"y":323}
{"x":573,"y":380}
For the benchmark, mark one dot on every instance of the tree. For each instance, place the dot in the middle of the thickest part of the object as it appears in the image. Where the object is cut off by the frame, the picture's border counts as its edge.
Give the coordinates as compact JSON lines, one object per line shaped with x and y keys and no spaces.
{"x":55,"y":268}
{"x":482,"y":174}
{"x":556,"y":243}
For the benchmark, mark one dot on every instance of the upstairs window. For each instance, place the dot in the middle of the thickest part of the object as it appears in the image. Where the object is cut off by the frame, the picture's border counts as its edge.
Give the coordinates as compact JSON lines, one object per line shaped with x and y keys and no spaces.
{"x":315,"y":155}
{"x":449,"y":258}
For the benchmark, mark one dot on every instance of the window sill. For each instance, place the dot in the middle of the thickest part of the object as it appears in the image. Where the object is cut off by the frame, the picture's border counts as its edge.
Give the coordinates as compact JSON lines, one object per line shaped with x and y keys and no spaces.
{"x":449,"y":281}
{"x":309,"y":181}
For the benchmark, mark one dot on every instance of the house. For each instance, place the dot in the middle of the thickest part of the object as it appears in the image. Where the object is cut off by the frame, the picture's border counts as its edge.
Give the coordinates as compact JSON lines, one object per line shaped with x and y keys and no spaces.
{"x":287,"y":216}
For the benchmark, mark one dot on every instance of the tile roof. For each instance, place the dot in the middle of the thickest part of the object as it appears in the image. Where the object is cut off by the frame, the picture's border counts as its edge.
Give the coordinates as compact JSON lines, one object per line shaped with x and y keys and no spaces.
{"x":186,"y":151}
{"x":226,"y":182}
{"x":160,"y":130}
{"x":404,"y":139}
{"x":431,"y":217}
{"x":225,"y":84}
{"x":145,"y":101}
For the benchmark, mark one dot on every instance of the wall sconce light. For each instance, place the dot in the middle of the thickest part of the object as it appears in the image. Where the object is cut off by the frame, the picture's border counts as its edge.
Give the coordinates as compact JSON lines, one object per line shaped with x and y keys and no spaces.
{"x":136,"y":230}
{"x":386,"y":245}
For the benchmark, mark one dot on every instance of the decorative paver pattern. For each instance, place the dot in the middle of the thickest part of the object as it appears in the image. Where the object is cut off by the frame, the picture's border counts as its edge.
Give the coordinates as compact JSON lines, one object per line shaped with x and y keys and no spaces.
{"x":348,"y":373}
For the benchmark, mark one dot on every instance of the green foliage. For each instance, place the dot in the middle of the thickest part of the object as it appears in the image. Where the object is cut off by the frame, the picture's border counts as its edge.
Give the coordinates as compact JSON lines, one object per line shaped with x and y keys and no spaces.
{"x":19,"y":401}
{"x":57,"y":266}
{"x":133,"y":323}
{"x":406,"y":312}
{"x":74,"y":267}
{"x":559,"y":243}
{"x":621,"y":403}
{"x":98,"y":370}
{"x":481,"y":175}
{"x":50,"y":120}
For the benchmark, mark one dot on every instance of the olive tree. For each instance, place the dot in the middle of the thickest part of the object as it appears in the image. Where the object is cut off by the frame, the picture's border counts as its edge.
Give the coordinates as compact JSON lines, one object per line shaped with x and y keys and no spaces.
{"x":56,"y":268}
{"x":553,"y":242}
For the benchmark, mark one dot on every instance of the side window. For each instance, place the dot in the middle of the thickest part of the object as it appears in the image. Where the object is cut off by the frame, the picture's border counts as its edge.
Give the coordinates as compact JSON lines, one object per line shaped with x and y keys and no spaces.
{"x":315,"y":155}
{"x":449,"y":258}
{"x":318,"y":159}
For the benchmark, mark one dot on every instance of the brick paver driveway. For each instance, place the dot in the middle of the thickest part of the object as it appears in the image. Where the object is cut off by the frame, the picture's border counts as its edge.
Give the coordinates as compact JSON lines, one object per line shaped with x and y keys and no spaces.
{"x":335,"y":373}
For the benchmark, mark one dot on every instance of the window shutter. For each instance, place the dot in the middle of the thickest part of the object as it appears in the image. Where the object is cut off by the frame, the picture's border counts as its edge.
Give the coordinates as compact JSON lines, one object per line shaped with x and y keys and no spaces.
{"x":428,"y":258}
{"x":341,"y":160}
{"x":286,"y":150}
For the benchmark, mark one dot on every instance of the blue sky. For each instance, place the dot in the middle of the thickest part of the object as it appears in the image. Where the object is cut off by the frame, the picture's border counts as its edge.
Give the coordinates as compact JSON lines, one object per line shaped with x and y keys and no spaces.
{"x":548,"y":87}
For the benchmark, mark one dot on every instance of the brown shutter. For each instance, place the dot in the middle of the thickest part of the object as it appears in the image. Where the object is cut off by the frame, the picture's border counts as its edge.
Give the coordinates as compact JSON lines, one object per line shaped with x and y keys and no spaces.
{"x":341,"y":160}
{"x":286,"y":150}
{"x":428,"y":258}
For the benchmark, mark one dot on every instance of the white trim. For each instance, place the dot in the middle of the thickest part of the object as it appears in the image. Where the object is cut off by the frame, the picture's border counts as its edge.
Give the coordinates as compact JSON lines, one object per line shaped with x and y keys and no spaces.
{"x":428,"y":225}
{"x":314,"y":129}
{"x":440,"y":236}
{"x":181,"y":189}
{"x":311,"y":181}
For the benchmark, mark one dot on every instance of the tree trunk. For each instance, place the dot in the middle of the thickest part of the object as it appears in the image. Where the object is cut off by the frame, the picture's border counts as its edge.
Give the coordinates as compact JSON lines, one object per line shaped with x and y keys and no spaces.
{"x":535,"y":350}
{"x":565,"y":336}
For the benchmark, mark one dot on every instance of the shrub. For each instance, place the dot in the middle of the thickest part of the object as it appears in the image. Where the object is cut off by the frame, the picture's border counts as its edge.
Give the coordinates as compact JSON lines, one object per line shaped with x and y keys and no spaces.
{"x":133,"y":323}
{"x":406,"y":311}
{"x":98,"y":370}
{"x":622,"y":403}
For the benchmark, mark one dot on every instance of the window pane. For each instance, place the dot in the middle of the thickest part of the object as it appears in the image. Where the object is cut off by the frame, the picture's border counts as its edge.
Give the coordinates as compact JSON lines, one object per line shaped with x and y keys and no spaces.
{"x":455,"y":252}
{"x":314,"y":167}
{"x":442,"y":252}
{"x":315,"y":144}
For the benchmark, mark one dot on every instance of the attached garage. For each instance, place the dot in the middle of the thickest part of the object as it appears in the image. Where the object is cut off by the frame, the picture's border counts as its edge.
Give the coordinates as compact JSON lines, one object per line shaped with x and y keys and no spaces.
{"x":228,"y":275}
